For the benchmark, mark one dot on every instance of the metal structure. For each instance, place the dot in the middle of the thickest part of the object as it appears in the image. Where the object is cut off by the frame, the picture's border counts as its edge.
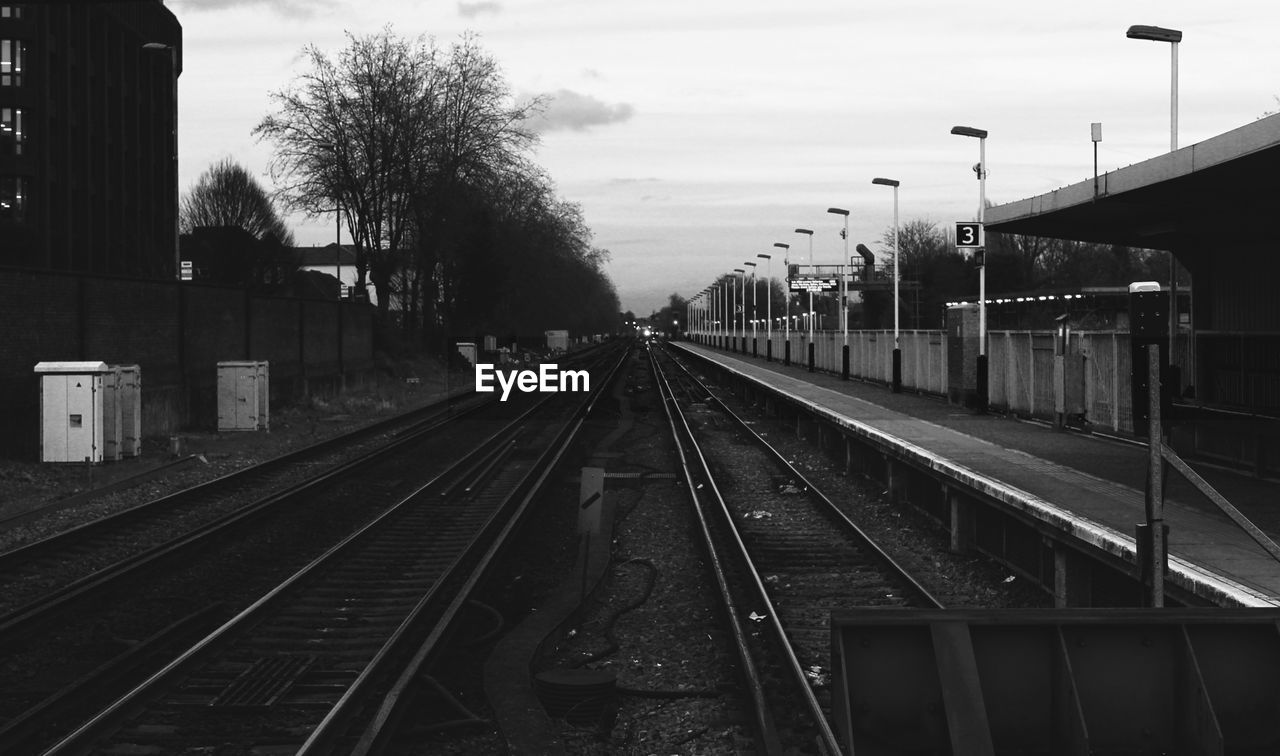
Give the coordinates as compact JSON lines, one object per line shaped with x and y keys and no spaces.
{"x":1056,"y":681}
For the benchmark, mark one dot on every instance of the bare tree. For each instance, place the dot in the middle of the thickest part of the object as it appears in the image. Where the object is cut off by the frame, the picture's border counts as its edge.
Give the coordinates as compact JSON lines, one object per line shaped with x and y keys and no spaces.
{"x":347,"y":134}
{"x":401,"y":138}
{"x":228,"y":195}
{"x":920,"y":241}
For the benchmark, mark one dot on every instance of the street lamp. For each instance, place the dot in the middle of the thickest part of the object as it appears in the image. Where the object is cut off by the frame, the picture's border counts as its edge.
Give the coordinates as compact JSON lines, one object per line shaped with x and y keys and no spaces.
{"x":753,"y":306}
{"x":173,"y":70}
{"x":897,"y":346}
{"x":786,"y":301}
{"x":1173,"y":37}
{"x":768,"y":306}
{"x":981,"y":170}
{"x":844,"y":292}
{"x":809,"y":233}
{"x":742,"y":278}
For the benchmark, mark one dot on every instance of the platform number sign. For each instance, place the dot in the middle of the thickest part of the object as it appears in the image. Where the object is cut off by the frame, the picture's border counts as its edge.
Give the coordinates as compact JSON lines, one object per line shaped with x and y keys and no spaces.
{"x":969,"y":235}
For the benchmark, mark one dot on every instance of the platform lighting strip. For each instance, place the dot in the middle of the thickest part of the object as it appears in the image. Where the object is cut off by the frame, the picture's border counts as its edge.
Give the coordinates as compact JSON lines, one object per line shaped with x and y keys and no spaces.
{"x":1042,"y":298}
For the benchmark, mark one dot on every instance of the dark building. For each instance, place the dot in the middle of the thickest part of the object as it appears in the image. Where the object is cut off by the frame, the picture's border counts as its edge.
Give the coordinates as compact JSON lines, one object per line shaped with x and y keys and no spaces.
{"x":88,"y":136}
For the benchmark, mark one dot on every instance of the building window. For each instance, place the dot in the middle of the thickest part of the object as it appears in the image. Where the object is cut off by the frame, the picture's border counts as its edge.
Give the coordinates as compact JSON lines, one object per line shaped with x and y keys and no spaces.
{"x":10,"y":11}
{"x":11,"y":55}
{"x":13,"y":197}
{"x":10,"y":131}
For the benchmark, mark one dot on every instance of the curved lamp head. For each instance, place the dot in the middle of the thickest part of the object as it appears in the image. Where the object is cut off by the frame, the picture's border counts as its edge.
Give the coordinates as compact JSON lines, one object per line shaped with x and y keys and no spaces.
{"x":1153,"y":33}
{"x":885,"y":181}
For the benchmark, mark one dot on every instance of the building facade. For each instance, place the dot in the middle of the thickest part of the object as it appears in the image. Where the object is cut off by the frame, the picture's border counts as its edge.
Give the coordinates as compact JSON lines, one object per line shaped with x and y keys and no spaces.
{"x":88,"y":137}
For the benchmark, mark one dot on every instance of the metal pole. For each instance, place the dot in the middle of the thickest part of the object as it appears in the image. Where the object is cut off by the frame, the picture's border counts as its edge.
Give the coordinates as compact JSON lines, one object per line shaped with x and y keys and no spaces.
{"x":982,"y":278}
{"x":844,"y":284}
{"x":1155,"y":480}
{"x":1173,"y":260}
{"x":1173,"y":100}
{"x":811,"y":318}
{"x":982,"y":269}
{"x":896,"y":343}
{"x":768,"y":304}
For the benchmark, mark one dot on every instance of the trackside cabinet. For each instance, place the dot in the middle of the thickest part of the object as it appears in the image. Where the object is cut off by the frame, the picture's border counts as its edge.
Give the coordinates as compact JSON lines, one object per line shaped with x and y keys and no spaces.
{"x":243,"y":396}
{"x":122,"y":412}
{"x":129,"y":391}
{"x":71,"y":411}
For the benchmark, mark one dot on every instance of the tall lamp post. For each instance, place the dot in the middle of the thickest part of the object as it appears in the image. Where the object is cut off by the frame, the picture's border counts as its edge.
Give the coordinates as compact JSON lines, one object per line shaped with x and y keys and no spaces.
{"x":711,"y":315}
{"x":740,"y":326}
{"x":1173,"y":37}
{"x":173,"y":70}
{"x":768,"y":306}
{"x":726,"y":305}
{"x":753,"y":306}
{"x":981,"y":170}
{"x":809,"y":233}
{"x":844,"y":292}
{"x":786,"y":301}
{"x":897,"y":345}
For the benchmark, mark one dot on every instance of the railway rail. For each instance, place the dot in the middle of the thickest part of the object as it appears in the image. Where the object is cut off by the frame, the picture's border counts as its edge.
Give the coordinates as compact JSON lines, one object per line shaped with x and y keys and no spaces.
{"x":485,"y":480}
{"x":784,"y":556}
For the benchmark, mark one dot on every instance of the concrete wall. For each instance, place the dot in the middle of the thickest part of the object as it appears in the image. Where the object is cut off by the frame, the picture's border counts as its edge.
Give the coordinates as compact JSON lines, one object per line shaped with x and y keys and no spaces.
{"x":177,"y":334}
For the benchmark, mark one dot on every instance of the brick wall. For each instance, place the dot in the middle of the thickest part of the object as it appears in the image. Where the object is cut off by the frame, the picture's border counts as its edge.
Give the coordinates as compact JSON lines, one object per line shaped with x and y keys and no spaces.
{"x":177,"y":334}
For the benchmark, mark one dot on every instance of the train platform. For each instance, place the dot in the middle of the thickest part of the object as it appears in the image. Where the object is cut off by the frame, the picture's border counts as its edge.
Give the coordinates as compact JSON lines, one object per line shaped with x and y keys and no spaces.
{"x":1091,"y":486}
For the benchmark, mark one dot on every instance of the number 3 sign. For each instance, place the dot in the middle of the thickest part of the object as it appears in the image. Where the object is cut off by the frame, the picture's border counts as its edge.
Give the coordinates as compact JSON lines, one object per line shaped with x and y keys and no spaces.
{"x":969,"y":235}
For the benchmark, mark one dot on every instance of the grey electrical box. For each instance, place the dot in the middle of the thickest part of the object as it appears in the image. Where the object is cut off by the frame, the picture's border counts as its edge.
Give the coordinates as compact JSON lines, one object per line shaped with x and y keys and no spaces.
{"x":71,"y":411}
{"x":122,"y":411}
{"x":244,"y":396}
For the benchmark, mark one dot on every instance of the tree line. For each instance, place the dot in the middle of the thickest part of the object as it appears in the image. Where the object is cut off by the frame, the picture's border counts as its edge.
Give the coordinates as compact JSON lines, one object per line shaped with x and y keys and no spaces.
{"x":426,"y":157}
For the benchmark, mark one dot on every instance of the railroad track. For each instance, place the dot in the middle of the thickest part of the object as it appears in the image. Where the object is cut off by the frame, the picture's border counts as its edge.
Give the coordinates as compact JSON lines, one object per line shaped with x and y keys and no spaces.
{"x":53,"y":562}
{"x":316,"y":663}
{"x":784,"y":556}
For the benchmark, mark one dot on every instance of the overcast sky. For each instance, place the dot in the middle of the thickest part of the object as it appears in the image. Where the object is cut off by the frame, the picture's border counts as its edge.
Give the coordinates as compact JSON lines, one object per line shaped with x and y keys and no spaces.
{"x":695,"y":134}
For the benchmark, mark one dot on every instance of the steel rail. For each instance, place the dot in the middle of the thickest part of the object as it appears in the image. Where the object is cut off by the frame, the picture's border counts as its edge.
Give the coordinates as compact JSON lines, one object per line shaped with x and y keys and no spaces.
{"x":765,"y":726}
{"x":24,"y":617}
{"x":433,"y":411}
{"x":924,"y":594}
{"x":372,"y":739}
{"x":80,"y":738}
{"x":109,"y":717}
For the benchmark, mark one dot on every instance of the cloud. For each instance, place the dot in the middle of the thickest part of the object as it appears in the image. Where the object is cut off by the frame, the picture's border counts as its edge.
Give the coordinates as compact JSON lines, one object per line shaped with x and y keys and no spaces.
{"x":291,"y":8}
{"x":568,"y":110}
{"x":471,"y":10}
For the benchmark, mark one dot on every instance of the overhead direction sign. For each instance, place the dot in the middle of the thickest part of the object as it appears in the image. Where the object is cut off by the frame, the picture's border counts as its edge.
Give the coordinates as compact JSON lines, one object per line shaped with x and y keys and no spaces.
{"x":969,"y":234}
{"x":815,"y":284}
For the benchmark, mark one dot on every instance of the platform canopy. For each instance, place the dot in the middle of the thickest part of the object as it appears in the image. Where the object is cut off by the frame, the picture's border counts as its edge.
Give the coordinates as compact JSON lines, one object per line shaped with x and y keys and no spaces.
{"x":1226,"y":188}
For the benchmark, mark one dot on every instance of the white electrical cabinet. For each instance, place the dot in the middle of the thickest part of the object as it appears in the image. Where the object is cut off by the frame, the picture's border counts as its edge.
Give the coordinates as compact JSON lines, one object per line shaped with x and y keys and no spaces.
{"x":244,"y":396}
{"x":71,"y":411}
